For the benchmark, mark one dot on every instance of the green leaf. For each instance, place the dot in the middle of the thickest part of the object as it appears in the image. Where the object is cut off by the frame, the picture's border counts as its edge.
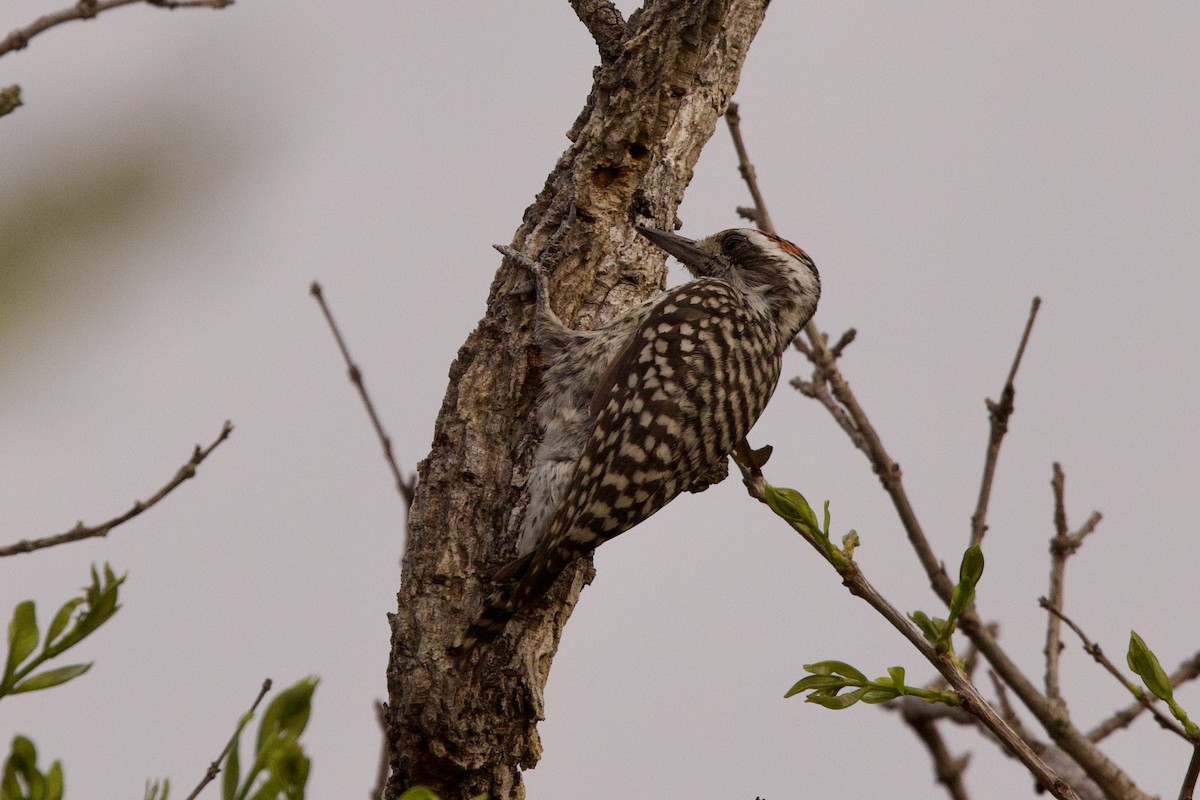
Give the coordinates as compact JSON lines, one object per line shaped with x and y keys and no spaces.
{"x":931,"y":628}
{"x":153,"y":789}
{"x":270,"y":789}
{"x":960,"y":598}
{"x":287,"y":715}
{"x":836,"y":668}
{"x":836,"y":702}
{"x":969,"y":573}
{"x":102,"y":601}
{"x":54,"y":782}
{"x":876,"y":695}
{"x":971,"y":569}
{"x":1141,"y":659}
{"x":21,"y":770}
{"x":420,"y":793}
{"x":59,"y":623}
{"x":232,"y":769}
{"x":22,"y":637}
{"x":791,"y":505}
{"x":51,"y":677}
{"x":897,"y":676}
{"x":288,"y":763}
{"x":23,"y":752}
{"x":814,"y":682}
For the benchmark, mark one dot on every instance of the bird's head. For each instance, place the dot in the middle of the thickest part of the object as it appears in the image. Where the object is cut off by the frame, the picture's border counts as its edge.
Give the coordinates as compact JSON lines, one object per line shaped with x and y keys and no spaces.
{"x":778,"y":278}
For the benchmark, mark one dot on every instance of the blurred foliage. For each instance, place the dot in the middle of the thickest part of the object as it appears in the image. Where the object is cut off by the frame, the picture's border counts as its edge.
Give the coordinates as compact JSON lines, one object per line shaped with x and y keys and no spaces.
{"x":76,"y":209}
{"x":68,"y":207}
{"x":22,"y":780}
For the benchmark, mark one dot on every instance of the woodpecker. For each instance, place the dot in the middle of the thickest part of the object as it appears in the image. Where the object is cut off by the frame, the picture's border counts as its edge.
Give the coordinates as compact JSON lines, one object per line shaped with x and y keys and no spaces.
{"x":650,"y":405}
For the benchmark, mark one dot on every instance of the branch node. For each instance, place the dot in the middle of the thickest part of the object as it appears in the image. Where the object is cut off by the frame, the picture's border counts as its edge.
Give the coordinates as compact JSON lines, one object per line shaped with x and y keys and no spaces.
{"x":846,"y":339}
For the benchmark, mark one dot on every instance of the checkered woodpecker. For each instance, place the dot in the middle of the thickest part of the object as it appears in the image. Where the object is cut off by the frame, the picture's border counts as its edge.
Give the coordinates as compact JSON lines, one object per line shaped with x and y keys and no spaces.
{"x":651,"y":405}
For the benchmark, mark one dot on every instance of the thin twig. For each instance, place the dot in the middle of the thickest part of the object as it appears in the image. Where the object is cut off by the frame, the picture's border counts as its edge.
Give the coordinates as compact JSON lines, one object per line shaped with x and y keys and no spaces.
{"x":1057,"y":758}
{"x":384,"y":770}
{"x":1007,"y":711}
{"x":1193,"y":772}
{"x":1187,"y":671}
{"x":606,"y":25}
{"x":406,"y":486}
{"x":945,"y":662}
{"x":1097,"y":654}
{"x":843,"y":342}
{"x":947,"y":768}
{"x":1094,"y":762}
{"x":760,"y":215}
{"x":86,"y":9}
{"x":81,"y":531}
{"x":215,"y":767}
{"x":1062,"y":546}
{"x":998,"y":414}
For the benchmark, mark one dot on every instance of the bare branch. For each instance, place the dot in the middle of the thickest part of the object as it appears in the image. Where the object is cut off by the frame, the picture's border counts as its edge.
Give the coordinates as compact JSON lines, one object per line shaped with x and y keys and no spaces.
{"x":381,"y":775}
{"x":817,"y":390}
{"x":1093,"y":650}
{"x":998,"y":414}
{"x":948,"y":769}
{"x":1193,"y":772}
{"x":945,"y":663}
{"x":1062,"y":546}
{"x":81,"y":531}
{"x":605,"y":23}
{"x":86,"y":9}
{"x":758,"y":215}
{"x":406,"y":486}
{"x":843,"y":342}
{"x":1187,"y":671}
{"x":1095,"y":763}
{"x":1057,"y":758}
{"x":215,"y":767}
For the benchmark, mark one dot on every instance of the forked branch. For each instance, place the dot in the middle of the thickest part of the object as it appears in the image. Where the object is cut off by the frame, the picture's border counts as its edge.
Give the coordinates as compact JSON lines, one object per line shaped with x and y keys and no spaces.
{"x":1062,"y":546}
{"x":830,"y":386}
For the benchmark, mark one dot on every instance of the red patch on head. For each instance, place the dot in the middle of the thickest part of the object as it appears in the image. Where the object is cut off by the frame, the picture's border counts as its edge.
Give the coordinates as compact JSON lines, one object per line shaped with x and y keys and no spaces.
{"x":786,"y":245}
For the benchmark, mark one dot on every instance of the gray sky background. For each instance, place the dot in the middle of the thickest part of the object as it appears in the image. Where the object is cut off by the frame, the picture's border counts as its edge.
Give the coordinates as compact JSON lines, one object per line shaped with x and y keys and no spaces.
{"x":176,"y":180}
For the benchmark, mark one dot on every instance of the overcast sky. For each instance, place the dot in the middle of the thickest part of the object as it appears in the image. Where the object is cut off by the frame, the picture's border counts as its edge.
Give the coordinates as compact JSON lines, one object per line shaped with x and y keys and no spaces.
{"x":176,"y":180}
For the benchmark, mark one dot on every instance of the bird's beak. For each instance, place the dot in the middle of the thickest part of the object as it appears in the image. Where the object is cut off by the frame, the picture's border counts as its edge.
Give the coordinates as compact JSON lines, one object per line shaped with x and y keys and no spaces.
{"x":697,"y":260}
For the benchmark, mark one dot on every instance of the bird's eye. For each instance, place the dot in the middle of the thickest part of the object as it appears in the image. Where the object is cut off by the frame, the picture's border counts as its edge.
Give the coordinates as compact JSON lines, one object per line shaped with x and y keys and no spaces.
{"x":732,"y":242}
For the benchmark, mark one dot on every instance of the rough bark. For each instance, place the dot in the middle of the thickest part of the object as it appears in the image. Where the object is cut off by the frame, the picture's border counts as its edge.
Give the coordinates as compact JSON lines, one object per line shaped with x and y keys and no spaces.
{"x":652,"y":108}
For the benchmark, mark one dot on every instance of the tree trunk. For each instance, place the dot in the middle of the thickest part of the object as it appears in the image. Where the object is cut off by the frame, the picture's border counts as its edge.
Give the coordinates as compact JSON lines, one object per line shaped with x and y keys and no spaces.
{"x":666,"y":77}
